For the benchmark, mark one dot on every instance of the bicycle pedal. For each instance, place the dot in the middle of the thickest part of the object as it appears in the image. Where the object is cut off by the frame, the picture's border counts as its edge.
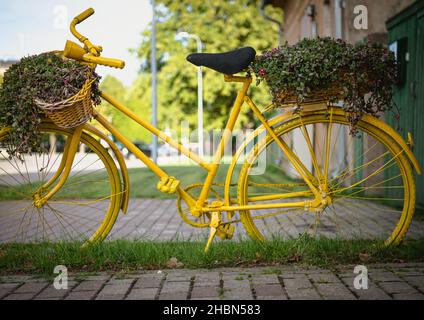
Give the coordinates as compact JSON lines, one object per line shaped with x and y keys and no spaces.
{"x":229,"y":231}
{"x":225,"y":232}
{"x":168,"y":184}
{"x":221,"y":234}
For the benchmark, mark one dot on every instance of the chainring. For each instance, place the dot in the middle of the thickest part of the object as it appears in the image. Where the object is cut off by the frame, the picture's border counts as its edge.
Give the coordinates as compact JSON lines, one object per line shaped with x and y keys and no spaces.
{"x":204,"y":220}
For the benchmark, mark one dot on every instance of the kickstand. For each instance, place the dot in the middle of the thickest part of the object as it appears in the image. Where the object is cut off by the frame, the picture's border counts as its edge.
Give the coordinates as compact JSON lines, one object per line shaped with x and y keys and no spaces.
{"x":215,"y":221}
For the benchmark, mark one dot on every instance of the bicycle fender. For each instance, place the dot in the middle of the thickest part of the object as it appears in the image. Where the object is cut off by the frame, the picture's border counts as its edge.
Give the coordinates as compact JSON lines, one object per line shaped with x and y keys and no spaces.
{"x":385,"y":127}
{"x":122,"y":165}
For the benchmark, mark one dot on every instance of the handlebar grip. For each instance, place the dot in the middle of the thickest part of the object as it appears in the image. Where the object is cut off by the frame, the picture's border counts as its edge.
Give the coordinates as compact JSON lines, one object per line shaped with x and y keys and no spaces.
{"x":84,"y":15}
{"x":109,"y":62}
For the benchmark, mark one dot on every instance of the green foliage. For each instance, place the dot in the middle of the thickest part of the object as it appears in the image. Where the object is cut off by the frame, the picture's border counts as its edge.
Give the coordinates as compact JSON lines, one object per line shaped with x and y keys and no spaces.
{"x":136,"y":98}
{"x":342,"y":70}
{"x":221,"y":25}
{"x":46,"y":77}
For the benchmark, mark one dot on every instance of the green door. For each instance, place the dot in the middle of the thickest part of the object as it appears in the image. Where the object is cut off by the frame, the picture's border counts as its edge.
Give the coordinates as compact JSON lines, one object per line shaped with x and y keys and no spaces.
{"x":409,"y":95}
{"x":419,"y":105}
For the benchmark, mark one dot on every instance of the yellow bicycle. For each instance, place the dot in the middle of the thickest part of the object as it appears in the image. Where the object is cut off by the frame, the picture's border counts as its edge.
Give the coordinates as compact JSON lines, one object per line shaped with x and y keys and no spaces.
{"x":317,"y":178}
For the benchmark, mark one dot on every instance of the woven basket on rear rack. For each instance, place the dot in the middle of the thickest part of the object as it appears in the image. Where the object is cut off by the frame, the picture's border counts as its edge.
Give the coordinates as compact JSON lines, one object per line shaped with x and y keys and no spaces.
{"x":289,"y":98}
{"x":73,"y":111}
{"x":334,"y":93}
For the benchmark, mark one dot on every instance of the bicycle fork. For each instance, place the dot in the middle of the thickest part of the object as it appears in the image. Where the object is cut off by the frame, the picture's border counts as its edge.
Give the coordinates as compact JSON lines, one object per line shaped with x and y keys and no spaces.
{"x":63,"y":171}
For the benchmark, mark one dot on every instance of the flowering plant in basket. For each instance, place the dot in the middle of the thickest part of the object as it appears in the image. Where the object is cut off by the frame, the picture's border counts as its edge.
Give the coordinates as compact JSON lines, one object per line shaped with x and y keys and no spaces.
{"x":47,"y":77}
{"x":362,"y":75}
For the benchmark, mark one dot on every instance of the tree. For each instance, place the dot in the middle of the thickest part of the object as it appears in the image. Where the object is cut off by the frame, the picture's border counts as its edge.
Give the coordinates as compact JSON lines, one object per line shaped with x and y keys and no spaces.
{"x":136,"y":98}
{"x":222,"y":25}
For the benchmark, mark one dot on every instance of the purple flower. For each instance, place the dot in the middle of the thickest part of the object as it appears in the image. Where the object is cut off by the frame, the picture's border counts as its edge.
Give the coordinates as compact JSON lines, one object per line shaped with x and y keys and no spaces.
{"x":262,"y":72}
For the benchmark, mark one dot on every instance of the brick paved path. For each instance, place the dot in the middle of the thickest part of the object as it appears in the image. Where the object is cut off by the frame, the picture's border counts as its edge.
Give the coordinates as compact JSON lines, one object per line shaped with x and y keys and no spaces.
{"x":390,"y":281}
{"x":158,"y":220}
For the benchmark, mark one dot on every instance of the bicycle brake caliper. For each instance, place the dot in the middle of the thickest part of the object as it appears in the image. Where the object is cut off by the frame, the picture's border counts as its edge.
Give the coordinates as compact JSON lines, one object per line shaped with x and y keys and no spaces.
{"x":168,"y":184}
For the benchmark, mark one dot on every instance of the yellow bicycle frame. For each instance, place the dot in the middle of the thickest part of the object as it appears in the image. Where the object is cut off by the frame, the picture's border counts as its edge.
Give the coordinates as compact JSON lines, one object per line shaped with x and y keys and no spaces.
{"x":212,"y":168}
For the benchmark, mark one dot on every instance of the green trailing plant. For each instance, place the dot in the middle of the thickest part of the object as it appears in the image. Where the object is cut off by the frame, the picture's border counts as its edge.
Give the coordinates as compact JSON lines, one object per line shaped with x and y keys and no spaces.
{"x":47,"y":77}
{"x":362,"y":75}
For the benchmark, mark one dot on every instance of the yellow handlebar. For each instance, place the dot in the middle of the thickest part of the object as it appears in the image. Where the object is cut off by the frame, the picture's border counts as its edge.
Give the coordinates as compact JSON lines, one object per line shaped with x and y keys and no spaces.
{"x":86,"y":14}
{"x":110,"y":62}
{"x":74,"y":51}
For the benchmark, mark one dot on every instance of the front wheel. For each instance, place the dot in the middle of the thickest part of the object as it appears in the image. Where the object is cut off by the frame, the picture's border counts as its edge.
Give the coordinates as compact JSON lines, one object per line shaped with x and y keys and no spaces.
{"x":366,"y":180}
{"x":83,"y":210}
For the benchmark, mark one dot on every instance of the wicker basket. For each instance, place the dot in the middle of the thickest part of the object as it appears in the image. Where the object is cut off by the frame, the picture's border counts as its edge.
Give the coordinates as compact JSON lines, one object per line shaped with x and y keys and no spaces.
{"x":289,"y":98}
{"x":71,"y":112}
{"x":335,"y":90}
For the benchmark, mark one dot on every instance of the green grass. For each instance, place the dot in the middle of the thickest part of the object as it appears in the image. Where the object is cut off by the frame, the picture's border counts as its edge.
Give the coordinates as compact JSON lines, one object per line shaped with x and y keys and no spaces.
{"x":143,"y":183}
{"x":128,"y":255}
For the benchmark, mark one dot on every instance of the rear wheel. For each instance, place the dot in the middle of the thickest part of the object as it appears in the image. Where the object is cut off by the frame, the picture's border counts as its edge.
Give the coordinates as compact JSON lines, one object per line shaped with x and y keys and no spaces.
{"x":371,"y":189}
{"x":83,"y":210}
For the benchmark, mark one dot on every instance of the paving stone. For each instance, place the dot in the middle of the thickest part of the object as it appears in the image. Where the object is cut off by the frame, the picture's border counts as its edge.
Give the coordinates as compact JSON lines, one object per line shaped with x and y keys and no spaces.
{"x":31,"y":287}
{"x":297,"y":283}
{"x":4,"y":292}
{"x":372,"y":293}
{"x":383,"y":276}
{"x":142,"y":294}
{"x":120,"y":282}
{"x":237,"y":295}
{"x":324,"y":278}
{"x":207,"y":279}
{"x":173,"y":296}
{"x":237,"y":289}
{"x":116,"y":287}
{"x":397,"y":287}
{"x":98,"y":277}
{"x":204,"y":292}
{"x":279,"y":297}
{"x":176,"y":287}
{"x":303,"y":294}
{"x":179,"y":277}
{"x":89,"y":285}
{"x":6,"y":288}
{"x":268,"y":290}
{"x":292,"y":275}
{"x":416,"y":281}
{"x":16,"y":278}
{"x":110,"y":297}
{"x":408,"y":296}
{"x":81,"y":295}
{"x":333,"y":291}
{"x":402,"y":272}
{"x":266,"y":279}
{"x":19,"y":296}
{"x":52,"y":292}
{"x":148,"y":282}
